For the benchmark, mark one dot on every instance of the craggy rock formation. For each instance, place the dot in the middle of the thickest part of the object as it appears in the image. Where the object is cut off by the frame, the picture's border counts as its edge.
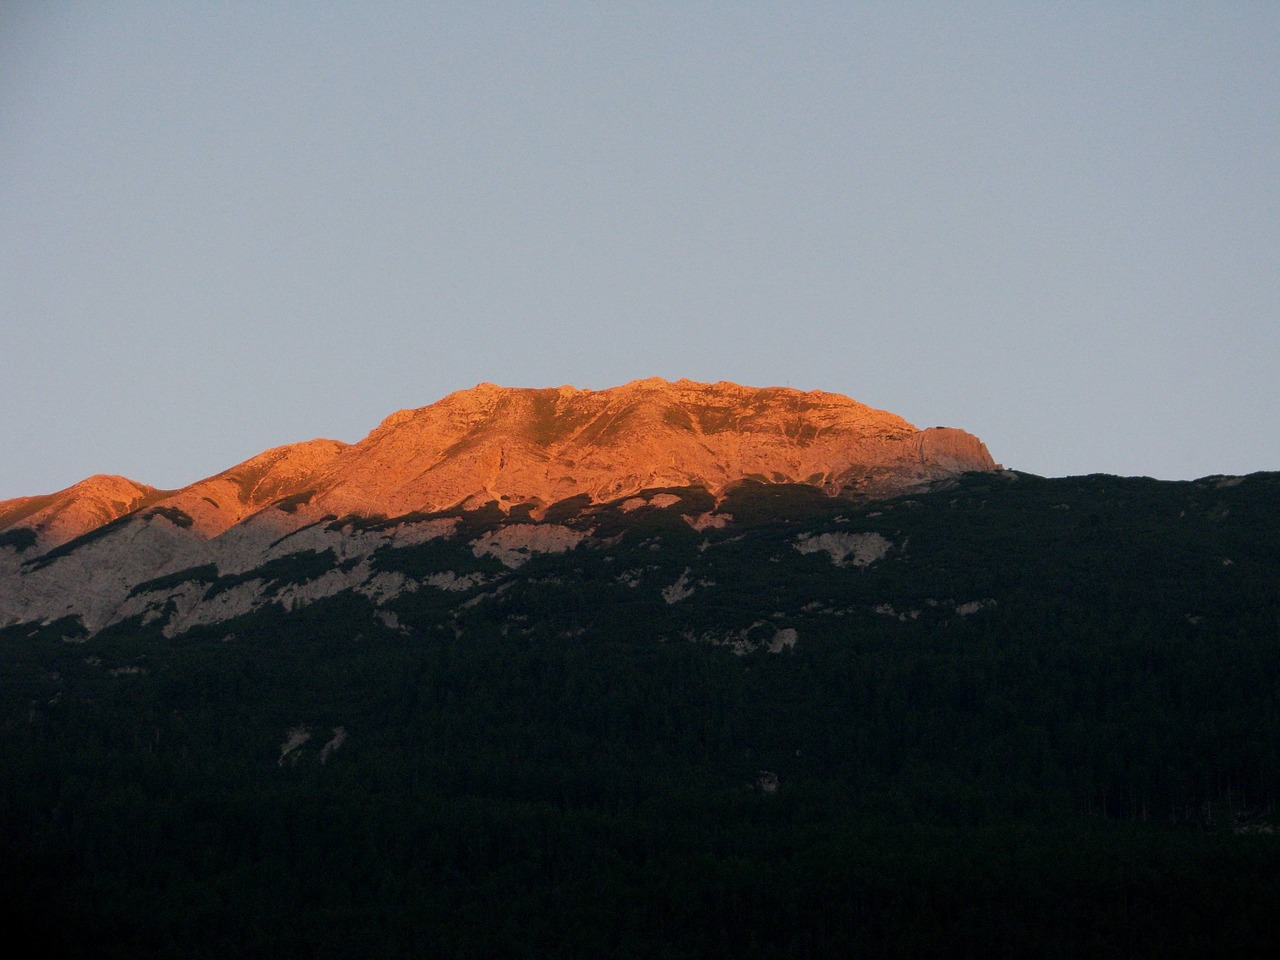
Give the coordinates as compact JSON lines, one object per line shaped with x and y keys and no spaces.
{"x":518,"y":445}
{"x":515,"y":445}
{"x":57,"y":517}
{"x":87,"y":553}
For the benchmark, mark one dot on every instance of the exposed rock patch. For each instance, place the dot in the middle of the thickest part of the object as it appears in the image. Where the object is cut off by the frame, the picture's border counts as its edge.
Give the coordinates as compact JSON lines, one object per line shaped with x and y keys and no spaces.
{"x":846,"y":549}
{"x":750,"y":639}
{"x":335,"y":743}
{"x":709,"y":521}
{"x":679,"y":590}
{"x":516,"y":544}
{"x":294,"y":739}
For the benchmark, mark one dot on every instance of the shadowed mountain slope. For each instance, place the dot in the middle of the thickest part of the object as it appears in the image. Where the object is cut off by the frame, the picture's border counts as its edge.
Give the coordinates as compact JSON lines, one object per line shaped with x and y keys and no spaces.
{"x":1004,"y":716}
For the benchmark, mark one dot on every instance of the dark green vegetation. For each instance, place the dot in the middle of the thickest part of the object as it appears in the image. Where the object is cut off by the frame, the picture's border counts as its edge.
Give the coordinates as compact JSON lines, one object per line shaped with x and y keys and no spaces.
{"x":20,"y":538}
{"x":1045,"y":722}
{"x":173,"y":515}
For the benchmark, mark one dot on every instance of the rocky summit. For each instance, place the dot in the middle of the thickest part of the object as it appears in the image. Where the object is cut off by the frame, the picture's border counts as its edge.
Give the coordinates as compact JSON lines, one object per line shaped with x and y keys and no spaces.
{"x":514,"y":445}
{"x":83,"y":554}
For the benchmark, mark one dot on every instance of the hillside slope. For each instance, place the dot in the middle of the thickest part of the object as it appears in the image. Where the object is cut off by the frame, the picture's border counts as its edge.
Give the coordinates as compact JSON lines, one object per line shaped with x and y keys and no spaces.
{"x":1010,"y":716}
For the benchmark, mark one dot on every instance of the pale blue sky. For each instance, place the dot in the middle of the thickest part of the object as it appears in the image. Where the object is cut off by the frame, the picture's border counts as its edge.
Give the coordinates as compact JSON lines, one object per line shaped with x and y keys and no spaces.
{"x":226,"y":226}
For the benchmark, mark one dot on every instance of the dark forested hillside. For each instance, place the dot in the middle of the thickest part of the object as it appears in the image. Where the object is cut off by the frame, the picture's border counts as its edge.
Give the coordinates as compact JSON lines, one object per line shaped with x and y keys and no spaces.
{"x":1013,"y":716}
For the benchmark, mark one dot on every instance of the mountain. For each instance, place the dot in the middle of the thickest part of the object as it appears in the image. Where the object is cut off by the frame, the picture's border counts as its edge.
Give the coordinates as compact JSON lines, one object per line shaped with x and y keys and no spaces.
{"x":675,"y":670}
{"x":83,"y":553}
{"x":58,"y":517}
{"x":542,"y":446}
{"x":514,"y":446}
{"x":1000,"y":714}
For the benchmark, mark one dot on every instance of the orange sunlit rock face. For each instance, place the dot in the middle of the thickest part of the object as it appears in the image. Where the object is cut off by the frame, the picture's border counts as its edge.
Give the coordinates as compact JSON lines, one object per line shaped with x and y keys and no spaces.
{"x":85,"y":506}
{"x":516,"y":445}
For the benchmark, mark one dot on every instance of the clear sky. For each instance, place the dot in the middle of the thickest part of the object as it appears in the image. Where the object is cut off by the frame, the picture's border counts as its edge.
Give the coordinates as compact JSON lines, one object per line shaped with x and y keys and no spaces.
{"x":227,"y":226}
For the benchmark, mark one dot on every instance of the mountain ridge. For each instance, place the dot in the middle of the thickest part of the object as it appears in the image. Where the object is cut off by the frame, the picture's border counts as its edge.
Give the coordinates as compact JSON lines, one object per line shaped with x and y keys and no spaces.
{"x":513,"y":445}
{"x":527,"y":461}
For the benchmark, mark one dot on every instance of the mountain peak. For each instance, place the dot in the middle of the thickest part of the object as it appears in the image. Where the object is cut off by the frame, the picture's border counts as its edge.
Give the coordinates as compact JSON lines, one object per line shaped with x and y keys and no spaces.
{"x":515,"y":445}
{"x":519,"y":444}
{"x":91,"y":503}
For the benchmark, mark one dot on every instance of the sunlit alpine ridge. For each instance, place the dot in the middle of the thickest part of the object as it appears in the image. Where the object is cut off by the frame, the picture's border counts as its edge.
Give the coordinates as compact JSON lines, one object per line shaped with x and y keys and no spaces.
{"x":65,"y":515}
{"x":107,"y":549}
{"x":519,"y":445}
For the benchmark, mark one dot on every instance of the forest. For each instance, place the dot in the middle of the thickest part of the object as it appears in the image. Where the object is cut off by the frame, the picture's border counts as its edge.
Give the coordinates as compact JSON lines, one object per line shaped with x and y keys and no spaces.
{"x":1033,"y":717}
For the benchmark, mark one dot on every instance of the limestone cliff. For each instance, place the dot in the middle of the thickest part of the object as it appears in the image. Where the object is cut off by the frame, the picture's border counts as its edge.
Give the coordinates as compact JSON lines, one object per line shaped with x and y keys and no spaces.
{"x":107,"y":549}
{"x":517,"y":445}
